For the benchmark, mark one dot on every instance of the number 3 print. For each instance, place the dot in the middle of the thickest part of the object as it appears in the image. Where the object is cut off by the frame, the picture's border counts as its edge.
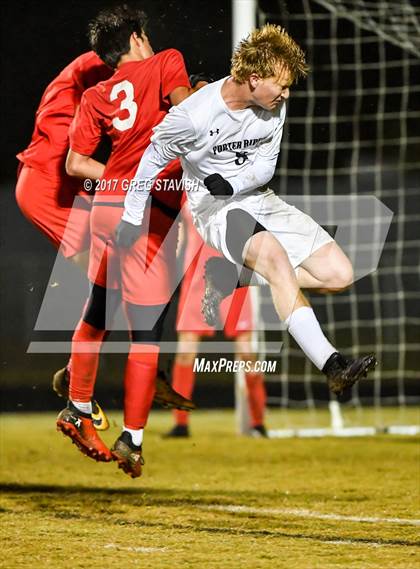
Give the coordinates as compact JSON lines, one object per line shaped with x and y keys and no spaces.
{"x":127,"y":103}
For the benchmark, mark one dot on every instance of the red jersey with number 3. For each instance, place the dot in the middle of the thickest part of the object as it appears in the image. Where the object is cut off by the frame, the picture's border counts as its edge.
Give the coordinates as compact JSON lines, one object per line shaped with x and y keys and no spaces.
{"x":48,"y":148}
{"x":126,"y":107}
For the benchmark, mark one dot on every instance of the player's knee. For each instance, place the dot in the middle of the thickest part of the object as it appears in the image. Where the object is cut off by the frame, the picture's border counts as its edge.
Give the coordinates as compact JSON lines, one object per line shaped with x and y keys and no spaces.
{"x":342,"y":278}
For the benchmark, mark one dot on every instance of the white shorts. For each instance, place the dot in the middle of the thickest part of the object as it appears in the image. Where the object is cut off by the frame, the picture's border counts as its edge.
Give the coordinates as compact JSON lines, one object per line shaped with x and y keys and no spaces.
{"x":297,"y":232}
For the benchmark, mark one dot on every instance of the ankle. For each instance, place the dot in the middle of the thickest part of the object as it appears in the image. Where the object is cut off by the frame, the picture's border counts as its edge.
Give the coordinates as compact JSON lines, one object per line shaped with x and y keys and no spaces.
{"x":81,"y":408}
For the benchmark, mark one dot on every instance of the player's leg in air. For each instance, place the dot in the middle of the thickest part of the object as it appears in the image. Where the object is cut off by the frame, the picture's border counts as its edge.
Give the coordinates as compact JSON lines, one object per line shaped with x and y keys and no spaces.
{"x":268,"y":252}
{"x":147,"y":270}
{"x":76,"y":421}
{"x":145,"y":322}
{"x":55,"y":205}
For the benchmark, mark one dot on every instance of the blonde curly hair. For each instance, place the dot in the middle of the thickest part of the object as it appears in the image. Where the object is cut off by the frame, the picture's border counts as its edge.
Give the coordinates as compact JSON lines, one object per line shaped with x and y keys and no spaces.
{"x":265,"y":51}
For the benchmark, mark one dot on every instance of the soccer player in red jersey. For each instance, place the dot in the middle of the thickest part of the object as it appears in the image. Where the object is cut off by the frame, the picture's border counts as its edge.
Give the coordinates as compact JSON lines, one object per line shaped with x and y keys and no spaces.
{"x":126,"y":107}
{"x":44,"y":192}
{"x":236,"y":314}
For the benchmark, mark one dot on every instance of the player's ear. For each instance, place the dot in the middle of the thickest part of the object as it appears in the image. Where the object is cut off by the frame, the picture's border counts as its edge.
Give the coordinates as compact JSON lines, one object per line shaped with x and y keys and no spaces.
{"x":142,"y":44}
{"x":138,"y":39}
{"x":134,"y":40}
{"x":254,"y":81}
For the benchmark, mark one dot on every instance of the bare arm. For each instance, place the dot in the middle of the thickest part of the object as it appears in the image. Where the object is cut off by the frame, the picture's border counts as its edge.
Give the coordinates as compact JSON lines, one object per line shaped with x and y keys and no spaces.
{"x":179,"y":94}
{"x":82,"y":166}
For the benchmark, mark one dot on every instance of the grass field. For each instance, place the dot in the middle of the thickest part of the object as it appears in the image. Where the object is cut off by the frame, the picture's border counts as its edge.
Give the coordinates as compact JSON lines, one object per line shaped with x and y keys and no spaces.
{"x":213,"y":501}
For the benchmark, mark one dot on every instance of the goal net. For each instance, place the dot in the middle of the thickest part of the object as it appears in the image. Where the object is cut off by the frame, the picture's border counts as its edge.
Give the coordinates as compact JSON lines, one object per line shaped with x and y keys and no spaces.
{"x":352,"y":135}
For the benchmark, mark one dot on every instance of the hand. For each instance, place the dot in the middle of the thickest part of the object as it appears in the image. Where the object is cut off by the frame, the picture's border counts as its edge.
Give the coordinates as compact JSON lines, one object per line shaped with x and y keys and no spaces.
{"x":218,"y":186}
{"x":126,"y":234}
{"x":199,"y":80}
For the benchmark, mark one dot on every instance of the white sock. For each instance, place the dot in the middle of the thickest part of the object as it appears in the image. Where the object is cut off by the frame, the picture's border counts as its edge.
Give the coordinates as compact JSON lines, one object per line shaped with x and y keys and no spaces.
{"x":305,"y":329}
{"x":136,"y":435}
{"x":83,"y":407}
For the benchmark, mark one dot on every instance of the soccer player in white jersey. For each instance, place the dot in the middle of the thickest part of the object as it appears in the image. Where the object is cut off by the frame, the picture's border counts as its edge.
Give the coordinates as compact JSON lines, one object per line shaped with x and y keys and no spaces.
{"x":228,"y":138}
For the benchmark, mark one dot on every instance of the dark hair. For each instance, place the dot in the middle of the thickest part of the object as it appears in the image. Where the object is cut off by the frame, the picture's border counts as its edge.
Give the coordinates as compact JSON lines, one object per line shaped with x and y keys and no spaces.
{"x":109,"y":33}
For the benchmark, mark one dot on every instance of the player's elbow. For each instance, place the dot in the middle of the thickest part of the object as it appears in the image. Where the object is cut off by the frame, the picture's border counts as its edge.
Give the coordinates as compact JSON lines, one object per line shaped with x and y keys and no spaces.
{"x":74,"y":164}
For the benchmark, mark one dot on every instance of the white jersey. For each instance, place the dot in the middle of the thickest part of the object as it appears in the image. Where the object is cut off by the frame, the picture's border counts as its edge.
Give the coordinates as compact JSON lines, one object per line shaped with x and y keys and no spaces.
{"x":242,"y":146}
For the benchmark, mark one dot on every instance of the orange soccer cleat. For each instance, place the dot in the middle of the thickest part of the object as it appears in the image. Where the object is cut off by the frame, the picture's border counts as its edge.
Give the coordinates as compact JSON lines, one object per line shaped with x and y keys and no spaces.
{"x":81,"y":430}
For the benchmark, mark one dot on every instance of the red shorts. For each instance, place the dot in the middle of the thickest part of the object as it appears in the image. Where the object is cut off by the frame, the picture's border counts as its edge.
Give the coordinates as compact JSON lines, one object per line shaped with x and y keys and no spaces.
{"x":145,"y":272}
{"x":49,"y":203}
{"x":235,"y":310}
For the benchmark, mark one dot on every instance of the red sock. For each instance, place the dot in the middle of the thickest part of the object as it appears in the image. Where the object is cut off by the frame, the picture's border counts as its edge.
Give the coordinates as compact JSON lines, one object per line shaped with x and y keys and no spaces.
{"x":256,"y":397}
{"x":139,"y":384}
{"x":183,"y":378}
{"x":86,"y":345}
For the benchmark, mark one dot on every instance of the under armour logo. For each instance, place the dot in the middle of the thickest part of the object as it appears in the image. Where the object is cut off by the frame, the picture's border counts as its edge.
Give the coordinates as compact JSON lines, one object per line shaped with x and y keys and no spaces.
{"x":241,"y":157}
{"x":212,"y":132}
{"x":78,"y":422}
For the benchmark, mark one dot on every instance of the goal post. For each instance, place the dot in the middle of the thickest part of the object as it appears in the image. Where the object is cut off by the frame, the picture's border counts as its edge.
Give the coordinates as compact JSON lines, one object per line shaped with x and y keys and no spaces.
{"x":244,"y":17}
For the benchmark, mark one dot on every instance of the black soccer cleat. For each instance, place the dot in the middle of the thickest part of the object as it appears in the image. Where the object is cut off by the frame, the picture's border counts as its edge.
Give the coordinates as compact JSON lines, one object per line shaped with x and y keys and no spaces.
{"x":128,"y":455}
{"x":167,"y":397}
{"x":61,"y":383}
{"x":179,"y":431}
{"x":342,"y":373}
{"x":220,"y":277}
{"x":258,"y":432}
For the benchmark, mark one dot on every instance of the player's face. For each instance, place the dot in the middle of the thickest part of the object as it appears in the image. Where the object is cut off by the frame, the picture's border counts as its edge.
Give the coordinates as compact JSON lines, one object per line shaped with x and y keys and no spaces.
{"x":271,"y":92}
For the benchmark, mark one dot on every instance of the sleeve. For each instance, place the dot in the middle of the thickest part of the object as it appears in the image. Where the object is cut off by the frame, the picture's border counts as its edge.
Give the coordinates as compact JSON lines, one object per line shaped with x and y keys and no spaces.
{"x":174,"y":73}
{"x":85,"y":130}
{"x":264,"y":166}
{"x":172,"y":138}
{"x":88,"y":70}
